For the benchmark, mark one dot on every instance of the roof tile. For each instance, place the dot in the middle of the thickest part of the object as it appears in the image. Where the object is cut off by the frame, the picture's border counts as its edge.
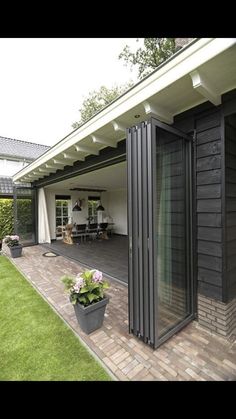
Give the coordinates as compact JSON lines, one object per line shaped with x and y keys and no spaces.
{"x":21,"y":149}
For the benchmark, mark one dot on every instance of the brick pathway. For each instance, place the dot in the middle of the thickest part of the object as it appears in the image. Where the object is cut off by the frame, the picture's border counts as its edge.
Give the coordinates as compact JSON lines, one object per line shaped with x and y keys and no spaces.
{"x":192,"y":354}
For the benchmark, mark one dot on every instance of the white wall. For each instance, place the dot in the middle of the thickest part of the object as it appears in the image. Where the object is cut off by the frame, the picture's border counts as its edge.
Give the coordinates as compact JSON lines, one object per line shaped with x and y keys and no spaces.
{"x":117,"y":209}
{"x":78,"y":217}
{"x":114,"y":202}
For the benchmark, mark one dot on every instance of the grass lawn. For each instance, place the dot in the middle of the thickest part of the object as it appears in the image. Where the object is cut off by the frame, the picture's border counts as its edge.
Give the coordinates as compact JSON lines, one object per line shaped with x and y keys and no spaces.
{"x":35,"y":344}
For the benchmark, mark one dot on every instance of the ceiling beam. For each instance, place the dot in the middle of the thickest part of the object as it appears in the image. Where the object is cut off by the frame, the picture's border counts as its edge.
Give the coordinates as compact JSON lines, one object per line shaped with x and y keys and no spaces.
{"x":205,"y":87}
{"x":118,"y":126}
{"x":51,"y":168}
{"x":103,"y":141}
{"x":73,"y":156}
{"x":25,"y":179}
{"x":87,"y":150}
{"x":88,"y":190}
{"x":59,"y":162}
{"x":43,"y":170}
{"x":35,"y":176}
{"x":158,"y":112}
{"x":40,"y":174}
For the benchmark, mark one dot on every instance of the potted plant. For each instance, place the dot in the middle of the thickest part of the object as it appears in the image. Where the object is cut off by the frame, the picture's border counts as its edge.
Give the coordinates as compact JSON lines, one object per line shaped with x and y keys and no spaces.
{"x":14,"y":245}
{"x":87,"y":296}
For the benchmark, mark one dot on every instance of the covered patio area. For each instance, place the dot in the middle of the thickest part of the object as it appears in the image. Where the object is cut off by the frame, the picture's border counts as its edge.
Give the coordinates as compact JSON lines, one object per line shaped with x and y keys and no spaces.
{"x":109,"y":256}
{"x":192,"y":355}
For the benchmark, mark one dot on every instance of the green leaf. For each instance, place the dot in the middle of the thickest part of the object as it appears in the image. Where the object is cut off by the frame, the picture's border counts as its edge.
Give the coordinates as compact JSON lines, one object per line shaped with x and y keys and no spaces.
{"x":73,"y":299}
{"x":98,"y":99}
{"x":88,"y":275}
{"x":94,"y":285}
{"x":92,"y":297}
{"x":68,"y":281}
{"x":83,"y":290}
{"x":82,"y":300}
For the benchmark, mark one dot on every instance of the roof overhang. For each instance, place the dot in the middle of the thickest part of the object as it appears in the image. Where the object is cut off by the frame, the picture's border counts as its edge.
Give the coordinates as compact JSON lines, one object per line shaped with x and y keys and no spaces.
{"x":202,"y":71}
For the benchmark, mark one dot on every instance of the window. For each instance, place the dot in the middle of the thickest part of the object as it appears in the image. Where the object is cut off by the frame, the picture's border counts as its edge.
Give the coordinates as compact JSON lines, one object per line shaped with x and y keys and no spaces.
{"x":62,"y":213}
{"x":92,"y":208}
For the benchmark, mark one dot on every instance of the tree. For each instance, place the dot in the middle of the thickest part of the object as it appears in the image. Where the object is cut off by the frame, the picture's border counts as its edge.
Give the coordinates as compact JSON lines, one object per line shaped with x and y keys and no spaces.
{"x":154,"y":52}
{"x":99,"y":99}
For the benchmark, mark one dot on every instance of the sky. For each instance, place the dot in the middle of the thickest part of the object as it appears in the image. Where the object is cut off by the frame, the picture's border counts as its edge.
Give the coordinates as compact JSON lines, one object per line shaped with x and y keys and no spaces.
{"x":43,"y":82}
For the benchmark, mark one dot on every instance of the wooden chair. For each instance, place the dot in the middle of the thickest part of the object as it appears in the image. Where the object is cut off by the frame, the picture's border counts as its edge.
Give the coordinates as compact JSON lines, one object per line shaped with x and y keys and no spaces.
{"x":81,"y":231}
{"x":92,"y":230}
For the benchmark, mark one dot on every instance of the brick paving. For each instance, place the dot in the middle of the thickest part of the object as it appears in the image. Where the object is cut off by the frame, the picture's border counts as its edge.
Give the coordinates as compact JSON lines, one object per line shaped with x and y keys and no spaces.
{"x":193,"y":354}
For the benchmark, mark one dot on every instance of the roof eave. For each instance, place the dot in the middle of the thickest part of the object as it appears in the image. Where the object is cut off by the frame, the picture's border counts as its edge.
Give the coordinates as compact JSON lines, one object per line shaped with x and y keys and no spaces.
{"x":183,"y":64}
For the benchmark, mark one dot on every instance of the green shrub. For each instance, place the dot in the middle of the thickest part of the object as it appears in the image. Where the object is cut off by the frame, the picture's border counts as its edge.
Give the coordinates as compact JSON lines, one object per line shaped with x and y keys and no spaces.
{"x":24,"y":215}
{"x":6,"y":217}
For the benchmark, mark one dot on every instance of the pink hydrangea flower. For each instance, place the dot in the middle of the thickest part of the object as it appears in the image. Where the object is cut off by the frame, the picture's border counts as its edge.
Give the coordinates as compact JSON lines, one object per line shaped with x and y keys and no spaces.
{"x":78,"y":285}
{"x":97,"y":276}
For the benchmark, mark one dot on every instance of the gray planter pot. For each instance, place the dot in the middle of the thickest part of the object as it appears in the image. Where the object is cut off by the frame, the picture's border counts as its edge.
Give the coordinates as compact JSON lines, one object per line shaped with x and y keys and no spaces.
{"x":91,"y":318}
{"x":16,"y":251}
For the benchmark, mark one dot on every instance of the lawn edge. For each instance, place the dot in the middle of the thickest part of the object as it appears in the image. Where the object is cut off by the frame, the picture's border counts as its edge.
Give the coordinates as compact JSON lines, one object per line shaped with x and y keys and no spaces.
{"x":81,"y":340}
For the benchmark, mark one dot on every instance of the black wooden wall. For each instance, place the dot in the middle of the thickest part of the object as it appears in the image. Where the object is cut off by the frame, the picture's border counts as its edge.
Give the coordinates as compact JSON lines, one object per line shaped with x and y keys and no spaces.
{"x":215,"y":195}
{"x":205,"y":124}
{"x":230,"y":193}
{"x":208,"y":155}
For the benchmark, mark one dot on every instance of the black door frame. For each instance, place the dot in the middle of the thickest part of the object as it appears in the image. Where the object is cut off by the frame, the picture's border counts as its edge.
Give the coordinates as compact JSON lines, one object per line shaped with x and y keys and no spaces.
{"x":141,"y":170}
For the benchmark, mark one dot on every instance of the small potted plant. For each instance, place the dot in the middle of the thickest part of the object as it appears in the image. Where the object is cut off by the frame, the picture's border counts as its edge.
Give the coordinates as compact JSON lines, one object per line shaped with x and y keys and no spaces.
{"x":14,"y":245}
{"x":86,"y":293}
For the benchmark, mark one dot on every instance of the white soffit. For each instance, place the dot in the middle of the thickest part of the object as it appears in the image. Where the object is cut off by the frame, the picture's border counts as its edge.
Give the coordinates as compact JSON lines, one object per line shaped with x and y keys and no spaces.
{"x":109,"y":178}
{"x":166,"y":92}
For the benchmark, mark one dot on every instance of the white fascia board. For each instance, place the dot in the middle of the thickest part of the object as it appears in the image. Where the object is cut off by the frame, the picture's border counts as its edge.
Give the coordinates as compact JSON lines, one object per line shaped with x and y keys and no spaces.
{"x":188,"y":60}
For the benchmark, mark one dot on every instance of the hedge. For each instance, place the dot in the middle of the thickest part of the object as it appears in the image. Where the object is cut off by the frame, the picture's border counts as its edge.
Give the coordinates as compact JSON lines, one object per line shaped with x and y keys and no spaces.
{"x":6,"y":217}
{"x":24,"y":210}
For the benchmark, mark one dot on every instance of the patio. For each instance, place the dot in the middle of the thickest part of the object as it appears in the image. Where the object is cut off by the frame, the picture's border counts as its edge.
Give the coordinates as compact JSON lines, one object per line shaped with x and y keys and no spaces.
{"x":192,"y":355}
{"x":109,"y":256}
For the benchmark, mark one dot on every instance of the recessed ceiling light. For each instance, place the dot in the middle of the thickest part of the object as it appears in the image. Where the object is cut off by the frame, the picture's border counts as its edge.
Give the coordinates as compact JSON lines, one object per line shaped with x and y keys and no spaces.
{"x":137,"y":116}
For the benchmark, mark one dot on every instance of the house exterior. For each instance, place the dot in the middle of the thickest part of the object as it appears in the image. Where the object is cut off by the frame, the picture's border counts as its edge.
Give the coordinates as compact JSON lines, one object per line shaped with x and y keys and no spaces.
{"x":167,"y":148}
{"x":15,"y":155}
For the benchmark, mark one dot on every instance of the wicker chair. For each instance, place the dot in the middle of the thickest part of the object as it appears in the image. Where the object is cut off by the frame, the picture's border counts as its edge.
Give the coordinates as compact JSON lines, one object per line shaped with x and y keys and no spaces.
{"x":67,"y":234}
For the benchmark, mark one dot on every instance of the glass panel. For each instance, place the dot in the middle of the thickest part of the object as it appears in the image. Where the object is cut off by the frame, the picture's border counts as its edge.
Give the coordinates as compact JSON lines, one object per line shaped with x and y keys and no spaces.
{"x":58,"y":211}
{"x":171,"y":219}
{"x":25,"y":215}
{"x":58,"y":222}
{"x":65,"y":211}
{"x":61,"y":214}
{"x":92,"y":210}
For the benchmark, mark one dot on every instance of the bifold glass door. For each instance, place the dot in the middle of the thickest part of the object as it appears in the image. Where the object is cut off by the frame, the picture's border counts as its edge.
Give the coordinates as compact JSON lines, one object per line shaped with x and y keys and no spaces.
{"x":172,"y":230}
{"x":25,"y":214}
{"x":160,"y":231}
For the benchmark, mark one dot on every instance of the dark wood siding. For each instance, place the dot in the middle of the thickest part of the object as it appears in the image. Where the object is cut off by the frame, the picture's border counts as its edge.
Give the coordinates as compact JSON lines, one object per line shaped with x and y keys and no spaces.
{"x":230,"y":195}
{"x":208,"y":203}
{"x":215,"y":195}
{"x":208,"y":197}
